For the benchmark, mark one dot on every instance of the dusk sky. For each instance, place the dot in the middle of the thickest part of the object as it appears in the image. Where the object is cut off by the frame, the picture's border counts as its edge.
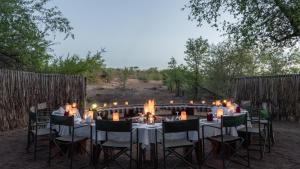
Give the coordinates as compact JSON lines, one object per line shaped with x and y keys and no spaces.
{"x":143,"y":33}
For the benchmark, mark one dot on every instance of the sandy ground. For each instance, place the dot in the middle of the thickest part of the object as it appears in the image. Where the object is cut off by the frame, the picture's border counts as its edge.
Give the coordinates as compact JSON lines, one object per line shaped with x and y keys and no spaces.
{"x":285,"y":154}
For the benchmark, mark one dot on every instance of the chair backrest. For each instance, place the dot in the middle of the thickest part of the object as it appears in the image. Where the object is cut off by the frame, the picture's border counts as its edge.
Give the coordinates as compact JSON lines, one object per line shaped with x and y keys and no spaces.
{"x":234,"y":121}
{"x":180,"y":126}
{"x":62,"y":120}
{"x":114,"y":126}
{"x":32,"y":116}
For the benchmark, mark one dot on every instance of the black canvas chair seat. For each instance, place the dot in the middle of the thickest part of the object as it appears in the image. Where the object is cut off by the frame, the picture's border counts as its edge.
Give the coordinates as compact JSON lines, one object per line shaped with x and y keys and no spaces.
{"x":41,"y":132}
{"x":226,"y":138}
{"x":69,"y":138}
{"x":177,"y":143}
{"x":116,"y":144}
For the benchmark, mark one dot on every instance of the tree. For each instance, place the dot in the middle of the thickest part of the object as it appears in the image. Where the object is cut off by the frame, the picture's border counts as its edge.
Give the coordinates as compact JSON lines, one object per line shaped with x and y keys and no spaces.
{"x":175,"y":77}
{"x":195,"y":54}
{"x":274,"y":61}
{"x":274,"y":21}
{"x":124,"y":74}
{"x":25,"y":29}
{"x":89,"y":66}
{"x":227,"y":60}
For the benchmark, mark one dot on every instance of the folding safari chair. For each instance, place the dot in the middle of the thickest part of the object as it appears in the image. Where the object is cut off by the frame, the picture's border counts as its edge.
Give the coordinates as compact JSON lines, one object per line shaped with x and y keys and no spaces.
{"x":124,"y":147}
{"x":226,"y":140}
{"x":170,"y":146}
{"x":68,"y":140}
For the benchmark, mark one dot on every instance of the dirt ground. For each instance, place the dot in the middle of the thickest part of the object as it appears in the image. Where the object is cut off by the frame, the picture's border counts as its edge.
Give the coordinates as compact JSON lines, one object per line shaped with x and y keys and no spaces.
{"x":285,"y":154}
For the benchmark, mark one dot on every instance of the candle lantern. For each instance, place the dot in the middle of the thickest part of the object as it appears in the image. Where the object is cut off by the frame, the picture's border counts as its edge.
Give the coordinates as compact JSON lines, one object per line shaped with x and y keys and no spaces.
{"x":218,"y":103}
{"x":68,"y":107}
{"x":115,"y":116}
{"x":183,"y":115}
{"x":94,"y":106}
{"x":151,"y":119}
{"x":220,"y":112}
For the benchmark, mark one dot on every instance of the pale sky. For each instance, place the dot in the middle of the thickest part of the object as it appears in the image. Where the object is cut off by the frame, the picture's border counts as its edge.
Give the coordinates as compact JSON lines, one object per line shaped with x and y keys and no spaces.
{"x":143,"y":33}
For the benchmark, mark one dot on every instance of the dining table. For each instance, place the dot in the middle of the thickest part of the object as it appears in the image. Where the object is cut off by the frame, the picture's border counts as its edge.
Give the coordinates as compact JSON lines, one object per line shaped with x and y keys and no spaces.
{"x":148,"y":134}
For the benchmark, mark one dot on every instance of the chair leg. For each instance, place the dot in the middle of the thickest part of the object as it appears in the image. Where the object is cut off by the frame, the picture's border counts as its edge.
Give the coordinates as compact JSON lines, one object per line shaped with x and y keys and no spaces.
{"x":137,"y":156}
{"x":35,"y":145}
{"x":223,"y":157}
{"x":164,"y":154}
{"x":71,"y":154}
{"x":28,"y":141}
{"x":49,"y":155}
{"x":130,"y":162}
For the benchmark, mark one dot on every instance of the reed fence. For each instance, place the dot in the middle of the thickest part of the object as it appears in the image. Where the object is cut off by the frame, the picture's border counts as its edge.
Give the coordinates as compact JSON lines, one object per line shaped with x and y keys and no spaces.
{"x":20,"y":90}
{"x":281,"y":93}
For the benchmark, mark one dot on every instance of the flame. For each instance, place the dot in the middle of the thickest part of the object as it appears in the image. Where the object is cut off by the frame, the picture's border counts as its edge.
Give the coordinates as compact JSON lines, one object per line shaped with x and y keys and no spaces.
{"x":149,"y":107}
{"x":230,"y":106}
{"x":218,"y":103}
{"x":220,"y":112}
{"x":88,"y":114}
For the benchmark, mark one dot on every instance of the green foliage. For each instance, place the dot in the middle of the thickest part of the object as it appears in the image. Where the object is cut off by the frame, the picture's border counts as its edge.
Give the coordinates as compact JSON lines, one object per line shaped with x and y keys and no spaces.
{"x":25,"y":28}
{"x":277,"y":61}
{"x":153,"y":74}
{"x":124,"y":74}
{"x":141,"y":75}
{"x":226,"y":61}
{"x":90,"y":66}
{"x":174,"y":77}
{"x":275,"y":21}
{"x":213,"y":66}
{"x":195,"y":54}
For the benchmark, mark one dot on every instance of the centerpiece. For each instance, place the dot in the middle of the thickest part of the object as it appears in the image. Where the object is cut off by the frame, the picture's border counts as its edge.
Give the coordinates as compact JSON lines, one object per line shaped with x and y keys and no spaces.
{"x":149,"y":112}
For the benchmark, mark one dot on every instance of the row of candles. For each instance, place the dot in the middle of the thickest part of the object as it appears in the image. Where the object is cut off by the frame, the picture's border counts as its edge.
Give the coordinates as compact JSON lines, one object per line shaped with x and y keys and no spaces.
{"x":149,"y":110}
{"x":126,"y":103}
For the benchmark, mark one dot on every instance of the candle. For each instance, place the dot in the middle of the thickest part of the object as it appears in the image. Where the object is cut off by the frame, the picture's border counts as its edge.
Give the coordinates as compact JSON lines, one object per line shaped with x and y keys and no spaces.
{"x":74,"y":105}
{"x":151,"y":119}
{"x":115,"y":116}
{"x":220,"y":113}
{"x":94,"y":106}
{"x":183,"y":115}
